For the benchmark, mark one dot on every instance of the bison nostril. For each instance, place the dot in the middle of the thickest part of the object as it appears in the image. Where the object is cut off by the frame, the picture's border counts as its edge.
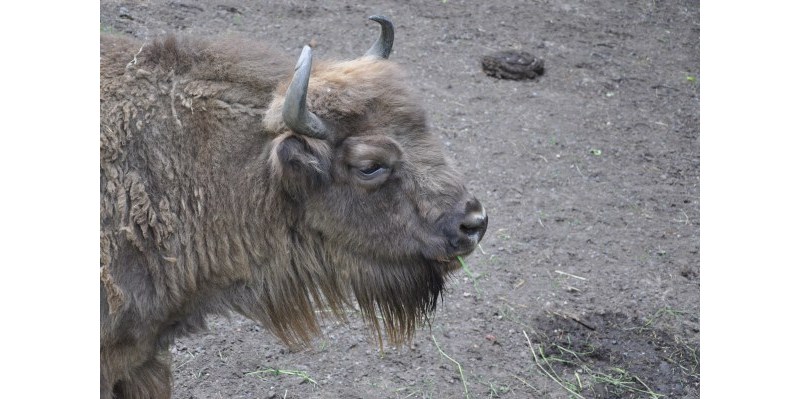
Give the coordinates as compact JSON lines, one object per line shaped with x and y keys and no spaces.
{"x":474,"y":223}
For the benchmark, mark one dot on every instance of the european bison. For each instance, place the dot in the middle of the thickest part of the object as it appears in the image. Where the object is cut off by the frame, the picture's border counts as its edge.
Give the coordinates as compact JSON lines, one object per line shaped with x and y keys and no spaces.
{"x":230,"y":180}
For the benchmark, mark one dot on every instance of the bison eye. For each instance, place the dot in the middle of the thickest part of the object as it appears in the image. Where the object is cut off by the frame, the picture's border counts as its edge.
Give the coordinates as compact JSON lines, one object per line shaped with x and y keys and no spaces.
{"x":372,"y":171}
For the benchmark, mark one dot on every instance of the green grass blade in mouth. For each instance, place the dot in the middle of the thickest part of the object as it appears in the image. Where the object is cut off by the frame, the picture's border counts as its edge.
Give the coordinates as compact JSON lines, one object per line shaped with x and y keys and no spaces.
{"x":464,"y":266}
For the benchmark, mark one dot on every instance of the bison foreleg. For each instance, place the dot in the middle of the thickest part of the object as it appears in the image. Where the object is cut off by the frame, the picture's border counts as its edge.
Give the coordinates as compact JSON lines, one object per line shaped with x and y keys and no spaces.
{"x":153,"y":380}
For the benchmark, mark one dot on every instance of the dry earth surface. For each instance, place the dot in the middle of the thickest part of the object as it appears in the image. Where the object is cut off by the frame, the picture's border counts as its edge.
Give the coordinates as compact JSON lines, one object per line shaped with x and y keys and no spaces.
{"x":587,"y":282}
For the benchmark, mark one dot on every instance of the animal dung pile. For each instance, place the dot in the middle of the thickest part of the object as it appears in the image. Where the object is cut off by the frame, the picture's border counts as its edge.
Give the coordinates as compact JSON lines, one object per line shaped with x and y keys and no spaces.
{"x":515,"y":65}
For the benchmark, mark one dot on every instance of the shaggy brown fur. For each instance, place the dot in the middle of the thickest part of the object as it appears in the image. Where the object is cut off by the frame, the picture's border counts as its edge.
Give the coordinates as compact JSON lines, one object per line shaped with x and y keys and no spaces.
{"x":210,"y":204}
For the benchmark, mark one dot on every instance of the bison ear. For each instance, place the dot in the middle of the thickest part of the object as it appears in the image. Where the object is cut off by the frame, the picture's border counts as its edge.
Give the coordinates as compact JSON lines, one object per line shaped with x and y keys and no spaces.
{"x":303,"y":165}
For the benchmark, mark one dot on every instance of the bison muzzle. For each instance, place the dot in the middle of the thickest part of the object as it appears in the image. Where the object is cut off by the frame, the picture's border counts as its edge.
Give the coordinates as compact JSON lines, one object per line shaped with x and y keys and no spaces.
{"x":231,"y":181}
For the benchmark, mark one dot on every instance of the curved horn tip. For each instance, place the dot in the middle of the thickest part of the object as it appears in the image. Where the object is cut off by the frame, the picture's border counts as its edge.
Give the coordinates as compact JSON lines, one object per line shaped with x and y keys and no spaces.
{"x":383,"y":46}
{"x":380,"y":19}
{"x":305,"y":55}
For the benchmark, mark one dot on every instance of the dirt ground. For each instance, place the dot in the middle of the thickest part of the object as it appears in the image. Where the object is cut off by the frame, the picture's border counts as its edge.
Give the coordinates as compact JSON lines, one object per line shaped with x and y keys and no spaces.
{"x":587,"y":282}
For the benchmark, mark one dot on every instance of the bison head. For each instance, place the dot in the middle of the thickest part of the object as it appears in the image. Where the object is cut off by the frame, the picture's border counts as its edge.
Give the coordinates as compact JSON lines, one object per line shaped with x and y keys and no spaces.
{"x":373,"y":204}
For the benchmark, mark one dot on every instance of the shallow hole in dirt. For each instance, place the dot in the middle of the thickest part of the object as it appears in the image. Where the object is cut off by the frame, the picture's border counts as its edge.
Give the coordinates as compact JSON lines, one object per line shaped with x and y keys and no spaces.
{"x":613,"y":356}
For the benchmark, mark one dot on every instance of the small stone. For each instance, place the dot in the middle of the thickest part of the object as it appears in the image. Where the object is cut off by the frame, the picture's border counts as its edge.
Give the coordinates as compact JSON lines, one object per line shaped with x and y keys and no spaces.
{"x":515,"y":65}
{"x":125,"y":14}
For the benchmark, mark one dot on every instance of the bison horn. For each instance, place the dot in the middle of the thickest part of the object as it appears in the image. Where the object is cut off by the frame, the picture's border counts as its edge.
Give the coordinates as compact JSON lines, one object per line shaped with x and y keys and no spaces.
{"x":383,"y":46}
{"x":295,"y":114}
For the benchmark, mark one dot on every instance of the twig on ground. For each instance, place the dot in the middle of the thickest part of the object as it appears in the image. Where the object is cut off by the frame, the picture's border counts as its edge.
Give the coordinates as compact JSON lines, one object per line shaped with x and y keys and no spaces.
{"x":526,"y":383}
{"x":134,"y":60}
{"x":649,"y":391}
{"x":296,"y":373}
{"x":574,"y":318}
{"x":460,"y":370}
{"x":579,"y":171}
{"x":570,"y":275}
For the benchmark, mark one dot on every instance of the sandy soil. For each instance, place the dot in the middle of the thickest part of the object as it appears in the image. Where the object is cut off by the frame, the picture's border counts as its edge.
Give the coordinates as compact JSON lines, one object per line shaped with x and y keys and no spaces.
{"x":587,"y":284}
